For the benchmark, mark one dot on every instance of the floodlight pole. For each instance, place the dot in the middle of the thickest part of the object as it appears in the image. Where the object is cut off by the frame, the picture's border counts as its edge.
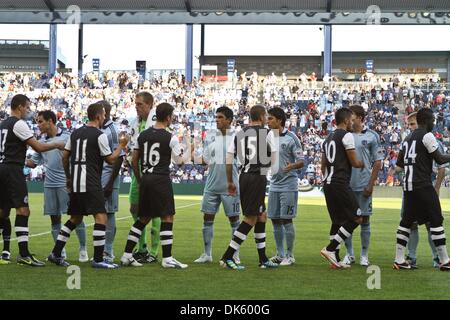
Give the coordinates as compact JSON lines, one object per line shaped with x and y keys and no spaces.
{"x":80,"y":52}
{"x":189,"y":51}
{"x":328,"y":51}
{"x":52,"y":49}
{"x":202,"y":47}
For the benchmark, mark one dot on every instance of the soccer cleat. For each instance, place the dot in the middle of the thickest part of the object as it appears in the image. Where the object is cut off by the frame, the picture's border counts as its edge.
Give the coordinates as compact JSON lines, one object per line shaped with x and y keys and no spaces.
{"x":173,"y":263}
{"x":236,"y":258}
{"x":445,"y":267}
{"x":152,"y":259}
{"x":268,"y":265}
{"x":399,"y":266}
{"x":59,"y":261}
{"x":436,"y":262}
{"x":29,"y":261}
{"x":288,"y":261}
{"x":204,"y":258}
{"x":231,"y":264}
{"x":277,"y":259}
{"x":6,"y":255}
{"x":64,"y":253}
{"x":331,"y":257}
{"x":108,"y":257}
{"x":341,"y":266}
{"x":104,"y":265}
{"x":348,"y":259}
{"x":364,"y":261}
{"x":83,"y":256}
{"x":412,"y":262}
{"x":129,"y":262}
{"x":141,"y":257}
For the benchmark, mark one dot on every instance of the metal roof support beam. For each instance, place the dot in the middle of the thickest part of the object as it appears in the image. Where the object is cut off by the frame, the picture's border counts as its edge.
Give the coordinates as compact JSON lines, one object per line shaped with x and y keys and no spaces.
{"x":50,"y":5}
{"x":187,"y":4}
{"x":189,"y":52}
{"x":53,"y":49}
{"x":328,"y":50}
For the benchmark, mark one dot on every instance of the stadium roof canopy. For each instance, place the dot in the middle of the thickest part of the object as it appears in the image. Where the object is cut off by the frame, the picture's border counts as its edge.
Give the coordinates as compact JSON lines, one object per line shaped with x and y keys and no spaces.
{"x":226,"y":11}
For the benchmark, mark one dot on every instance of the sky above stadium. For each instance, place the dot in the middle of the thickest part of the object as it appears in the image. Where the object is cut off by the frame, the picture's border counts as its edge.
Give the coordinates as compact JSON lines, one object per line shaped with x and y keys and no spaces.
{"x":163,"y":46}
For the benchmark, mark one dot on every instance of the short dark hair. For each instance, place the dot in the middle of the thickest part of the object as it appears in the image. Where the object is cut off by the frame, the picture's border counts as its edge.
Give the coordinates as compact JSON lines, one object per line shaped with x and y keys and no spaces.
{"x":358,"y":111}
{"x":94,"y":110}
{"x":19,"y":100}
{"x":424,"y":116}
{"x":147,"y":96}
{"x":256,"y":112}
{"x":342,"y":114}
{"x":163,"y":110}
{"x":279,"y":114}
{"x":105,"y":105}
{"x":48,"y":115}
{"x":227,"y":112}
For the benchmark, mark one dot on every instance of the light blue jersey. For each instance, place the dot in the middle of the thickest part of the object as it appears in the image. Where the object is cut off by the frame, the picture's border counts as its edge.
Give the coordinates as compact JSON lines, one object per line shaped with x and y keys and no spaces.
{"x":289,"y":151}
{"x":214,"y":153}
{"x":368,"y":149}
{"x":52,"y":161}
{"x":112,"y":133}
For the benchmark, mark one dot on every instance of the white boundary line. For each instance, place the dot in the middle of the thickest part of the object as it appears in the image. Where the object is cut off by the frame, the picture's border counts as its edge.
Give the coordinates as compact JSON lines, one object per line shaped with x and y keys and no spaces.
{"x":91,"y":224}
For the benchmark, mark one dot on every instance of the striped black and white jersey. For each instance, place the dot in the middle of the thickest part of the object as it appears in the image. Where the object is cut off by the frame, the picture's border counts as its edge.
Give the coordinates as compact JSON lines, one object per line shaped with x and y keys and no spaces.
{"x":417,"y":160}
{"x":251,"y":147}
{"x":88,"y":146}
{"x":14,"y":133}
{"x":338,"y":169}
{"x":155,"y":149}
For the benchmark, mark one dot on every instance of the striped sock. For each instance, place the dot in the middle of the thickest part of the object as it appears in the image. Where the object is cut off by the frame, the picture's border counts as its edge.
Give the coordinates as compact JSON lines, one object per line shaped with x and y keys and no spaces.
{"x":344,"y":232}
{"x":333,"y":231}
{"x":64,"y":235}
{"x":402,"y":242}
{"x":238,"y":237}
{"x":166,"y":235}
{"x":134,"y":236}
{"x":21,"y":227}
{"x":260,"y":239}
{"x":439,"y":240}
{"x":99,"y":241}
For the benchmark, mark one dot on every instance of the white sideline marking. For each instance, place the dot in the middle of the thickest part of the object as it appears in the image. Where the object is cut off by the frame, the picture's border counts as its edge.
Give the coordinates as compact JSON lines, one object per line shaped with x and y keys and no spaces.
{"x":91,"y":224}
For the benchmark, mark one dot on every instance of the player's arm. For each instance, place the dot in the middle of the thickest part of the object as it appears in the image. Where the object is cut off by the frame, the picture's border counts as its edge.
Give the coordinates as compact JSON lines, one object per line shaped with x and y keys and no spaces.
{"x":378,"y":155}
{"x":231,"y":154}
{"x":349,"y":144}
{"x":23,"y":132}
{"x":116,"y":169}
{"x":432,"y":146}
{"x":105,"y":151}
{"x":299,"y":159}
{"x":440,"y":177}
{"x":136,"y":155}
{"x":66,"y":166}
{"x":323,"y":164}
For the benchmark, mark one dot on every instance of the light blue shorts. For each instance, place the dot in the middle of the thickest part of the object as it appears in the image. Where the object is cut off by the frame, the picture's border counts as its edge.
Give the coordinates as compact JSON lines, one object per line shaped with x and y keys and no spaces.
{"x":211,"y":203}
{"x":282,"y":205}
{"x":365,"y":203}
{"x":56,"y":201}
{"x":112,"y":203}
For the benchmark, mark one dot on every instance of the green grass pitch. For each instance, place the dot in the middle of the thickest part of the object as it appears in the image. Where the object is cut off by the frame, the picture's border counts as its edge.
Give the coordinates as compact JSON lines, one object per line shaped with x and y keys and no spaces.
{"x":309,"y":278}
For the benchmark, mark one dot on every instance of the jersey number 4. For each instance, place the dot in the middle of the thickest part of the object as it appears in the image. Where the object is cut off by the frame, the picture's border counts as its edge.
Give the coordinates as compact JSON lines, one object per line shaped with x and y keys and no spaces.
{"x":151,"y":159}
{"x":3,"y":135}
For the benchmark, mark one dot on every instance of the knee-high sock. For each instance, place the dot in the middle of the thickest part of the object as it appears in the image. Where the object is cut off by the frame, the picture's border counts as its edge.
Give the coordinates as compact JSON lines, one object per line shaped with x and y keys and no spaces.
{"x":333,"y":232}
{"x":278,"y":233}
{"x":289,"y":231}
{"x":166,"y":235}
{"x":155,"y":237}
{"x":234,"y":225}
{"x":431,"y":243}
{"x":64,"y":235}
{"x":208,"y":233}
{"x":438,"y":236}
{"x":239,"y":237}
{"x":344,"y":232}
{"x":99,"y":241}
{"x":365,"y":239}
{"x":21,"y":227}
{"x":413,"y":242}
{"x":81,"y":234}
{"x":55,"y":231}
{"x":6,"y":234}
{"x":349,"y":245}
{"x":260,"y":239}
{"x":402,"y":241}
{"x":110,"y":233}
{"x":142,"y":247}
{"x":133,"y":237}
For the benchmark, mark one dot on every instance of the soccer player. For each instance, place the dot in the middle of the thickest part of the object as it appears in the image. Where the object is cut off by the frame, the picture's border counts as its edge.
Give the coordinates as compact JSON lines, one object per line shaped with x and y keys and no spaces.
{"x":84,"y":153}
{"x":146,"y":118}
{"x":15,"y":136}
{"x":252,"y":149}
{"x":421,"y":202}
{"x":56,"y":196}
{"x":368,"y":149}
{"x":338,"y":158}
{"x":216,"y":188}
{"x":283,"y":191}
{"x":111,"y":181}
{"x":151,"y":161}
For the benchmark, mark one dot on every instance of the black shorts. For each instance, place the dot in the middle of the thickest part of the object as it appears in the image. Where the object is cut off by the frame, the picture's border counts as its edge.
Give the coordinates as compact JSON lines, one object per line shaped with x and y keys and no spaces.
{"x":86,"y":203}
{"x":252,"y":188}
{"x":156,"y":196}
{"x":342,"y":204}
{"x":422,"y":205}
{"x":13,"y":187}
